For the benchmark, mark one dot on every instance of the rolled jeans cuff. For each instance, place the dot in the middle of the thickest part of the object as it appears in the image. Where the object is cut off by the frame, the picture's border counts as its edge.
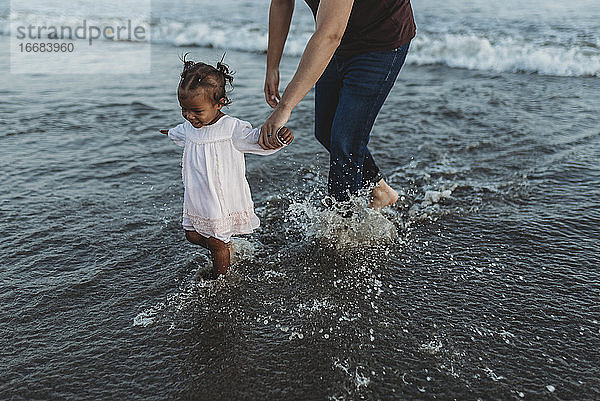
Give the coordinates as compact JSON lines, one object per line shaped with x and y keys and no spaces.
{"x":371,"y":178}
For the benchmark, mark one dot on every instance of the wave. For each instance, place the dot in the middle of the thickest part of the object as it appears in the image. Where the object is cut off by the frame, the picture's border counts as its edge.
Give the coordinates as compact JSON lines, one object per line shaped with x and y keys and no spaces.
{"x":474,"y":51}
{"x":510,"y":55}
{"x":453,"y":50}
{"x":468,"y":51}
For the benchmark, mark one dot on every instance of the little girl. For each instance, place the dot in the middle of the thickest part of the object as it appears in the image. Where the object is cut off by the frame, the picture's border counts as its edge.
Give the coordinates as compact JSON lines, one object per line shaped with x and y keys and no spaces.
{"x":217,"y":202}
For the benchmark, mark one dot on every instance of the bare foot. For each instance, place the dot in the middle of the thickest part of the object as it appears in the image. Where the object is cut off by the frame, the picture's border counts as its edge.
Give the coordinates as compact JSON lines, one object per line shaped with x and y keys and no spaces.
{"x":382,"y":195}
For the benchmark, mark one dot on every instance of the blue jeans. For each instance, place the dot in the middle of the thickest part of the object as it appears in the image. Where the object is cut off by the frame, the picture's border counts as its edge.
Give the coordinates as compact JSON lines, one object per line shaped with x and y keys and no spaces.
{"x":348,"y":97}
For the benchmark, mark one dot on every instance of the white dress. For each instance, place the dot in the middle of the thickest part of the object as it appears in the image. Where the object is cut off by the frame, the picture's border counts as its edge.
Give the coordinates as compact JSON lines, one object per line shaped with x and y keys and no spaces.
{"x":217,"y":201}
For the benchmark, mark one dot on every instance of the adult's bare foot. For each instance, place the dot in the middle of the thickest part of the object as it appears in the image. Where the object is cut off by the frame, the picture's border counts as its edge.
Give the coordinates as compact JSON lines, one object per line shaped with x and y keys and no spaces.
{"x":382,"y":195}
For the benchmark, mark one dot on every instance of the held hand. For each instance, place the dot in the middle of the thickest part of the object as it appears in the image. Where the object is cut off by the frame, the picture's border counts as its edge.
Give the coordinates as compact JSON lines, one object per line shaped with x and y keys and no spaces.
{"x":285,"y":136}
{"x":164,"y":131}
{"x":272,"y":88}
{"x":277,"y":119}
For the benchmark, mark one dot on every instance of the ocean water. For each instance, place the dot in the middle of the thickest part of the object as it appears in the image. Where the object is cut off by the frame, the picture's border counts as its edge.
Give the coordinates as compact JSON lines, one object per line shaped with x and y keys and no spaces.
{"x":483,"y":282}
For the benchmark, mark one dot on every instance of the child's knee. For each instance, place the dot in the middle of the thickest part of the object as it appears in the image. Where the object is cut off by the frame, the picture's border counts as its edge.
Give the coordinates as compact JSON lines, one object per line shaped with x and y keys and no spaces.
{"x":189,"y":235}
{"x":217,"y":246}
{"x":195,"y":238}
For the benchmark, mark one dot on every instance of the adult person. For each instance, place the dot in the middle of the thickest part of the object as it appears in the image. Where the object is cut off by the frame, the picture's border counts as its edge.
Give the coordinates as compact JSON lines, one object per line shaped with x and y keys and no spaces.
{"x":353,"y":57}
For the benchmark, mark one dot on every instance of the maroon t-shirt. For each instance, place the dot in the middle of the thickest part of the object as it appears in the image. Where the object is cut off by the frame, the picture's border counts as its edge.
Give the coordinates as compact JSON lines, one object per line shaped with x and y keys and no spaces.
{"x":375,"y":25}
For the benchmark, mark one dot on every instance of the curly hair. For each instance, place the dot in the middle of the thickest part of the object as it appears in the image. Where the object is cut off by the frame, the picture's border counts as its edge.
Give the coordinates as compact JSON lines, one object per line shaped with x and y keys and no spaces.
{"x":204,"y":77}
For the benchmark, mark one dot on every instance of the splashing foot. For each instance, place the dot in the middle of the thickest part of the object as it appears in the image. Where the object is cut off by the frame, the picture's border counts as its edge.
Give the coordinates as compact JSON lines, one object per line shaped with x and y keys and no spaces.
{"x":382,"y":195}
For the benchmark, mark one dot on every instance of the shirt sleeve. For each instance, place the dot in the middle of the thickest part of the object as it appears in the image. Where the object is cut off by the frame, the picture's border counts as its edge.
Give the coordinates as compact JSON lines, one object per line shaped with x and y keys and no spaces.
{"x":177,"y":134}
{"x":245,"y":139}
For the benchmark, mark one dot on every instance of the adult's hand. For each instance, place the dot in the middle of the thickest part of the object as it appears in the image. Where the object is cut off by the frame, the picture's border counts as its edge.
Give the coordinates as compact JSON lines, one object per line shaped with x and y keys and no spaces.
{"x":272,"y":87}
{"x":278,"y":118}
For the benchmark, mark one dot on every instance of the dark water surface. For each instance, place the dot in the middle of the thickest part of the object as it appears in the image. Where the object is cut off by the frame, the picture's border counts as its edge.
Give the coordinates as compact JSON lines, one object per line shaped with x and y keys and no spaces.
{"x":489,"y":289}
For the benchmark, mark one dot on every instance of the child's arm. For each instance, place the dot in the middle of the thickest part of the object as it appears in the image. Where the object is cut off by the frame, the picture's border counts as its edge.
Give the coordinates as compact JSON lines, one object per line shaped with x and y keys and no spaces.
{"x":245,"y":139}
{"x":176,"y":134}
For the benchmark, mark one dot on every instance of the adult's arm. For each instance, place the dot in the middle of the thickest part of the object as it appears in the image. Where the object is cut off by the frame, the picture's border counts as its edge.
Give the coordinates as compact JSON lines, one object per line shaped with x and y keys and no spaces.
{"x":280,"y":17}
{"x":331,"y":20}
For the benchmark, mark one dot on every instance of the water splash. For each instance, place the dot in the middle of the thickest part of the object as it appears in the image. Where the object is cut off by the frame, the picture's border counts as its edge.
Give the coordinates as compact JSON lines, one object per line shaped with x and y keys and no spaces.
{"x":363,"y":227}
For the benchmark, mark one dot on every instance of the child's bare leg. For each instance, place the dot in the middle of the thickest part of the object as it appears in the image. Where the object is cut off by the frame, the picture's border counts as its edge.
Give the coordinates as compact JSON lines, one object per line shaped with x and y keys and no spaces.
{"x":221,"y":254}
{"x":219,"y":250}
{"x":196,"y":238}
{"x":382,"y":195}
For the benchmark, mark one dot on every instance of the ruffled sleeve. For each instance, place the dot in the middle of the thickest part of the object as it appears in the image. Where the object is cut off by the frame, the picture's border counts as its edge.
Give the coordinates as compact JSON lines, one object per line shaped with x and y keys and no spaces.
{"x":177,"y":134}
{"x":245,"y":139}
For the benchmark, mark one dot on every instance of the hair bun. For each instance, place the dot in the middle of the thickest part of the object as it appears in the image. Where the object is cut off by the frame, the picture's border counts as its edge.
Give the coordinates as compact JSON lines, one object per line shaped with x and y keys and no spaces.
{"x":224,"y":69}
{"x":187,"y":64}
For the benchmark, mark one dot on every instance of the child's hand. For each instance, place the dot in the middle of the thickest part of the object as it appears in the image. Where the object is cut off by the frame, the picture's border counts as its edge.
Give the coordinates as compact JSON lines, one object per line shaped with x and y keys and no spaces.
{"x":284,"y":136}
{"x":164,"y":131}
